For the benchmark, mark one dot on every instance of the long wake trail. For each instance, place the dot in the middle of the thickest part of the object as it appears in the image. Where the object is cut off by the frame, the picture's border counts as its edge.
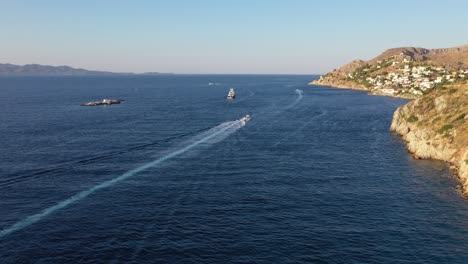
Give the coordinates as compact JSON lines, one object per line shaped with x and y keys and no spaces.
{"x":211,"y":136}
{"x":84,"y":161}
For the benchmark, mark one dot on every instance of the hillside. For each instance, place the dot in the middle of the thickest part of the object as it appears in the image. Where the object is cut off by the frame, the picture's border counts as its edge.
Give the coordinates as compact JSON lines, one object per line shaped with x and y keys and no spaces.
{"x":402,"y":72}
{"x":436,"y":127}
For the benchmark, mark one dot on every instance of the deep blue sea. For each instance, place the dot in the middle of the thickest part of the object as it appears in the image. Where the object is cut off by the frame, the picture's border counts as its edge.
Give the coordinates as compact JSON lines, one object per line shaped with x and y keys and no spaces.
{"x":172,"y":176}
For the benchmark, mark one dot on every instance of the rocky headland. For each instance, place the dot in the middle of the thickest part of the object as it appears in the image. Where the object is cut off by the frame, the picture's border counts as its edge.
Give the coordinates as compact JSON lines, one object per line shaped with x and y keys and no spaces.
{"x":435,"y":124}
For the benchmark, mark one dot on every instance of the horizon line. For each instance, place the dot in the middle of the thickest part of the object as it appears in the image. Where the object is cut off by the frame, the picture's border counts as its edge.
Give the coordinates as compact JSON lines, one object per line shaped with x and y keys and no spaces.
{"x":140,"y":73}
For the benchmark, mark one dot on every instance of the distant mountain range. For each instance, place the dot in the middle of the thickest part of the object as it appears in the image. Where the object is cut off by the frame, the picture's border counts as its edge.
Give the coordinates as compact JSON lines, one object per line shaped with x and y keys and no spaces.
{"x":44,"y":70}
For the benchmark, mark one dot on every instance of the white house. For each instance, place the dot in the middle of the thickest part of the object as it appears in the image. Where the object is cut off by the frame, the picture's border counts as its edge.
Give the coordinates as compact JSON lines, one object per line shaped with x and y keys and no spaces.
{"x":426,"y":85}
{"x":388,"y":91}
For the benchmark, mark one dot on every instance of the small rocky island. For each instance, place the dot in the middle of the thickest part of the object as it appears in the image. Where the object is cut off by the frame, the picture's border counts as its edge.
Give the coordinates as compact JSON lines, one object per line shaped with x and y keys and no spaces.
{"x":103,"y":102}
{"x":435,"y":124}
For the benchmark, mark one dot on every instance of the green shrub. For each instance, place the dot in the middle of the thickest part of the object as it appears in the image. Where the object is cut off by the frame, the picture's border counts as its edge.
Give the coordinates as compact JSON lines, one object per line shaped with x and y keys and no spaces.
{"x":435,"y":119}
{"x":444,"y":128}
{"x":412,"y":119}
{"x":460,"y":117}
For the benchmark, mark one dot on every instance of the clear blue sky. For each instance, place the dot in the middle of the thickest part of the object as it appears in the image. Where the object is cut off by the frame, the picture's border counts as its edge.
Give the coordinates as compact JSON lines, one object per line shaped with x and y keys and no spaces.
{"x":200,"y":36}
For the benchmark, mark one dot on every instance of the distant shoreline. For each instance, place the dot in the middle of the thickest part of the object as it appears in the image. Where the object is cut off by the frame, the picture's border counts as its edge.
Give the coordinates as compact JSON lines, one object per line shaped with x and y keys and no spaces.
{"x":344,"y":87}
{"x":8,"y":69}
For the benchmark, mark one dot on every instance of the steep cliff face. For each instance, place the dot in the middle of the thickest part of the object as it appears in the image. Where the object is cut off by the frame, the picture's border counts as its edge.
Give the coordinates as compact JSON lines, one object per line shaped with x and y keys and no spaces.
{"x":436,"y":127}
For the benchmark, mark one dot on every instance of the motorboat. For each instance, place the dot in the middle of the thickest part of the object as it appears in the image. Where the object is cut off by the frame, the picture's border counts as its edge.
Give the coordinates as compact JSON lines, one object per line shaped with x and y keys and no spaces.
{"x":103,"y":102}
{"x":245,"y":119}
{"x":232,"y":94}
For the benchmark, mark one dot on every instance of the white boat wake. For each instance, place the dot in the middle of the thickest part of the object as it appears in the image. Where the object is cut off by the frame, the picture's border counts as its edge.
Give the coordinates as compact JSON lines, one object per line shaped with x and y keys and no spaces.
{"x":211,"y":136}
{"x":300,"y":95}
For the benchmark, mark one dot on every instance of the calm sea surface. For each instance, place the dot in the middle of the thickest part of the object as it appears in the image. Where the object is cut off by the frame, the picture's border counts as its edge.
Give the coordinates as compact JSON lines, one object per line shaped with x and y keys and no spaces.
{"x":170,"y":176}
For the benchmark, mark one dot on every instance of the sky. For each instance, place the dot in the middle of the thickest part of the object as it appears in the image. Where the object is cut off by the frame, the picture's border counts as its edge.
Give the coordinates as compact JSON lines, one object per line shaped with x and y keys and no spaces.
{"x":222,"y":37}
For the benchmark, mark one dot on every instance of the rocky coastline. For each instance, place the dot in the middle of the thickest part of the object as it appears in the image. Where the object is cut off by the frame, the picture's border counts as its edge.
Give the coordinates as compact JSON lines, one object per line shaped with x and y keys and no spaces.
{"x":339,"y":84}
{"x":358,"y":87}
{"x":421,"y":124}
{"x":440,"y":132}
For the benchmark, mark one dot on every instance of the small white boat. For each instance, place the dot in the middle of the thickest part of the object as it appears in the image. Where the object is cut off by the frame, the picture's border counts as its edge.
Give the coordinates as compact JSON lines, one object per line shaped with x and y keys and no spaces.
{"x":103,"y":102}
{"x":245,"y":119}
{"x":231,"y":94}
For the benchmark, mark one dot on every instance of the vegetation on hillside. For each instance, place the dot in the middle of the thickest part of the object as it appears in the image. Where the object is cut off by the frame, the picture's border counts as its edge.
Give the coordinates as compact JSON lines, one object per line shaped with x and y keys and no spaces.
{"x":444,"y":112}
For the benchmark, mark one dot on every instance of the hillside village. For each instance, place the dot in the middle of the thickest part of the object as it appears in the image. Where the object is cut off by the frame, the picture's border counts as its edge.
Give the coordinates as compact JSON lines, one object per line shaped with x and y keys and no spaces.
{"x":402,"y":72}
{"x":405,"y":76}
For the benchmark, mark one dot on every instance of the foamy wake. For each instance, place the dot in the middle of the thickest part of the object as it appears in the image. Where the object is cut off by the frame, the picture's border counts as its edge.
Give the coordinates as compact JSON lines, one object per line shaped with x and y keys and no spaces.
{"x":206,"y":138}
{"x":300,"y":95}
